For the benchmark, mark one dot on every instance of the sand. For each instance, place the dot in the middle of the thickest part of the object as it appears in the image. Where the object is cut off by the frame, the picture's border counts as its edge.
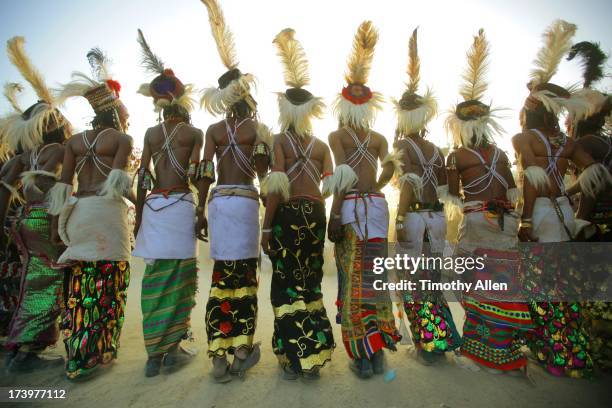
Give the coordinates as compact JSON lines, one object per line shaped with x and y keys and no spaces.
{"x":445,"y":385}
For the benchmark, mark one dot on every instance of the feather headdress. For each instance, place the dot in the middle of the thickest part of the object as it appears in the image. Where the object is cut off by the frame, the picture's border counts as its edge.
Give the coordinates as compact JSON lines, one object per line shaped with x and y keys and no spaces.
{"x":472,"y":122}
{"x":234,"y":86}
{"x":413,"y":110}
{"x":165,"y":89}
{"x":357,"y":105}
{"x":26,"y":130}
{"x":100,"y":90}
{"x":557,"y":42}
{"x":593,"y":61}
{"x":11,"y":90}
{"x":297,"y":106}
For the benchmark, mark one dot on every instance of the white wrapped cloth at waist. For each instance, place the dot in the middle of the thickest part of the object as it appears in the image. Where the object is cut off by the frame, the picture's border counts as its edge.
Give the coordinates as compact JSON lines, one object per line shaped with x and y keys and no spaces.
{"x":233,"y":222}
{"x":432,"y":223}
{"x":481,"y":229}
{"x":95,"y":228}
{"x":367,"y":213}
{"x":167,"y":229}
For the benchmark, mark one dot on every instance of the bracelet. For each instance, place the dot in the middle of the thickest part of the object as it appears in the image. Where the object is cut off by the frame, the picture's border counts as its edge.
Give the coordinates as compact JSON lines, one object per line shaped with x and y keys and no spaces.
{"x":335,"y":216}
{"x":399,"y":226}
{"x":264,"y":230}
{"x":400,"y":218}
{"x":527,"y":219}
{"x":525,"y":225}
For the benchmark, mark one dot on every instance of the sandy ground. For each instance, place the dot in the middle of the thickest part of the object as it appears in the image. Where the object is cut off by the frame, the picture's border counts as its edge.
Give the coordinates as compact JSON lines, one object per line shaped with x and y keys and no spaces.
{"x":445,"y":385}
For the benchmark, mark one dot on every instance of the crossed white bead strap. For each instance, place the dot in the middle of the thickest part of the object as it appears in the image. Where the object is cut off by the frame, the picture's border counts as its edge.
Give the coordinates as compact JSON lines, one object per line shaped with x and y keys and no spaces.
{"x":241,"y":160}
{"x":35,"y":156}
{"x":102,"y":167}
{"x":488,"y":177}
{"x":552,"y":170}
{"x":361,"y":151}
{"x":429,"y":166}
{"x":167,"y":148}
{"x":303,"y":163}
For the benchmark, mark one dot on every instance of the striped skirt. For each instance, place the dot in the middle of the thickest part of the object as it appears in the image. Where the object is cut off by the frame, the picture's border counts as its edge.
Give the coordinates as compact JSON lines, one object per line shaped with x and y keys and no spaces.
{"x":168,"y":296}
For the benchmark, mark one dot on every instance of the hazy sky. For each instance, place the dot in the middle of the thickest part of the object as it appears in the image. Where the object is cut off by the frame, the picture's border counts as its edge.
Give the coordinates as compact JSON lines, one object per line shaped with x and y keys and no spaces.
{"x":60,"y":33}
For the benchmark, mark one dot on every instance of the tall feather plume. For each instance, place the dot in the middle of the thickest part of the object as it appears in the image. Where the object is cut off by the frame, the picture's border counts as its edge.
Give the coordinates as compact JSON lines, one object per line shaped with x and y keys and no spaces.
{"x":150,"y":61}
{"x":222,"y":34}
{"x":593,"y":60}
{"x":98,"y":61}
{"x":11,"y":90}
{"x":414,"y":64}
{"x":557,"y":42}
{"x":360,"y":61}
{"x":17,"y":55}
{"x":474,"y":76}
{"x":293,"y":57}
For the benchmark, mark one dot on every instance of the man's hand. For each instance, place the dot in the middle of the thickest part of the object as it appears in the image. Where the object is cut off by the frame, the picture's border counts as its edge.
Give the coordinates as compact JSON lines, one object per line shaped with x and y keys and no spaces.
{"x":265,"y":243}
{"x":525,"y":234}
{"x":201,"y":228}
{"x":334,"y":229}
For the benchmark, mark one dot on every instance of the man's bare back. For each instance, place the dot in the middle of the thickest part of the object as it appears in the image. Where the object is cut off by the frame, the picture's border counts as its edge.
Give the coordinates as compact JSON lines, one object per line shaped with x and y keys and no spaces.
{"x":112,"y":150}
{"x":185,"y":146}
{"x":411,"y":164}
{"x":49,"y":159}
{"x":469,"y":168}
{"x":217,"y":141}
{"x":531,"y":151}
{"x":320,"y":158}
{"x":343,"y":146}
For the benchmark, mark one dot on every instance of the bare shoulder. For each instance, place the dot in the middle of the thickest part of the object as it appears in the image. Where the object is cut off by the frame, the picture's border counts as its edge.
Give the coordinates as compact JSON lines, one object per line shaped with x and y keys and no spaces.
{"x":321,"y":145}
{"x":195,"y":130}
{"x":335,"y":135}
{"x":520,"y":138}
{"x":378,"y":137}
{"x":400,"y":144}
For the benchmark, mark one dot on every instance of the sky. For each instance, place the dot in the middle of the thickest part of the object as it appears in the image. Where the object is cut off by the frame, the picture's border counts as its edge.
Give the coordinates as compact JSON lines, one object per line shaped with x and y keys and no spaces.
{"x":59,"y":34}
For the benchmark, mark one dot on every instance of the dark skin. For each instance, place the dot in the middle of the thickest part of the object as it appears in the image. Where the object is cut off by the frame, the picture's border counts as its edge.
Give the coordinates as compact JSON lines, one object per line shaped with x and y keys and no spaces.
{"x":342,"y":146}
{"x":50,"y":160}
{"x":216,"y":140}
{"x":113,"y":149}
{"x":303,"y":185}
{"x":531,"y":151}
{"x":411,"y":164}
{"x":597,"y":149}
{"x":186,"y":145}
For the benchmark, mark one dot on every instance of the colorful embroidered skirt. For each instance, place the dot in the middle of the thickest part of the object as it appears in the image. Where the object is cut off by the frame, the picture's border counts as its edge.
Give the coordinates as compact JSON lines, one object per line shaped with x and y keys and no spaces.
{"x":560,"y":341}
{"x":303,"y":337}
{"x":168,"y":296}
{"x":35,"y":322}
{"x":95,"y":295}
{"x":231,"y":311}
{"x":431,"y":323}
{"x":365,"y":315}
{"x":495,"y":322}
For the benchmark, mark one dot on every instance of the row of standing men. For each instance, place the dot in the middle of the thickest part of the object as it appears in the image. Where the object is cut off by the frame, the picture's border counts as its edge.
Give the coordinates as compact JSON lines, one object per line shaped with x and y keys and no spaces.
{"x":75,"y":246}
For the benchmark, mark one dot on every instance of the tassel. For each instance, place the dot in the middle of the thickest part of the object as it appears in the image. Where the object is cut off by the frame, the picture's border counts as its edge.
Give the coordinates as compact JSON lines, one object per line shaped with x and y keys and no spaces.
{"x":395,"y":159}
{"x":58,"y":196}
{"x":594,"y":179}
{"x":537,"y":177}
{"x":442,"y":192}
{"x":513,"y":195}
{"x":415,"y":181}
{"x":117,"y":185}
{"x":328,"y":186}
{"x":343,"y":179}
{"x":276,"y":182}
